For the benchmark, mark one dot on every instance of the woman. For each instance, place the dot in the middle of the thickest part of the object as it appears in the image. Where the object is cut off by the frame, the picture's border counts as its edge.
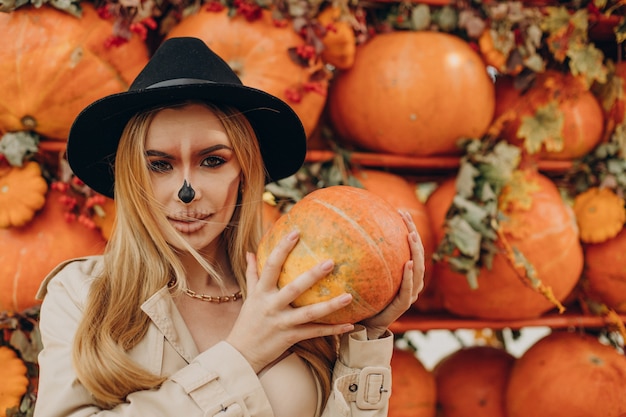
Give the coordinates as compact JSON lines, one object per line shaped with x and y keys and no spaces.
{"x":174,"y":320}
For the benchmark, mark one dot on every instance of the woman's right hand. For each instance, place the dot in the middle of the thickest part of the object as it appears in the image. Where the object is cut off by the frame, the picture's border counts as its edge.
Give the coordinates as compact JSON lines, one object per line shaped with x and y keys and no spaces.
{"x":268,"y":325}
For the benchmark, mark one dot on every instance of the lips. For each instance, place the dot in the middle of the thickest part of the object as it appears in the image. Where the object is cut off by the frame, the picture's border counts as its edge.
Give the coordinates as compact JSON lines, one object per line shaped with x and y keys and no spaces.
{"x":189,"y":222}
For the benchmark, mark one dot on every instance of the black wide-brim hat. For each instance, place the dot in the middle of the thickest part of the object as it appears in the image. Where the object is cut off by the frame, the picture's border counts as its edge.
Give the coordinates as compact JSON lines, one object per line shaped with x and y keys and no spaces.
{"x":183,"y":69}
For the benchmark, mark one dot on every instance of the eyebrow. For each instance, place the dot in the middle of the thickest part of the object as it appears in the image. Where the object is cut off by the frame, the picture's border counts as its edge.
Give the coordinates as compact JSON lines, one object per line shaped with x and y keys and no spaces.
{"x":160,"y":154}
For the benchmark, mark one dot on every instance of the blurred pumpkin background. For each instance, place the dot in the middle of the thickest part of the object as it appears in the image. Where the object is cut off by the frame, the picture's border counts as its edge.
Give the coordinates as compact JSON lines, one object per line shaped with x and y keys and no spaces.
{"x":499,"y":126}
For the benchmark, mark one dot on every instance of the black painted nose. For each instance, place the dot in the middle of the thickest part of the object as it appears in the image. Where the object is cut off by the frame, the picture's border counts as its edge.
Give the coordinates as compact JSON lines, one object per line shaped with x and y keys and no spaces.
{"x":186,"y":193}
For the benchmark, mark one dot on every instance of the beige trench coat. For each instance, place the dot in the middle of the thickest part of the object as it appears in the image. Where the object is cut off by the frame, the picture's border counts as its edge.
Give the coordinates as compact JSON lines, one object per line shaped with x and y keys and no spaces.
{"x":217,"y":382}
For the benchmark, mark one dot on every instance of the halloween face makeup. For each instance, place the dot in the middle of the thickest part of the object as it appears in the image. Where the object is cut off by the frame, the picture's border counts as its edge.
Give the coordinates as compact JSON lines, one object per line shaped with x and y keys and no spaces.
{"x":186,"y":193}
{"x":189,"y":145}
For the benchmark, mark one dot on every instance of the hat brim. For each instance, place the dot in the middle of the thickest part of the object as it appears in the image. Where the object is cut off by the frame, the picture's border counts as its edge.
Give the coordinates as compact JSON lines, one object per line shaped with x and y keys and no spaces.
{"x":95,"y":133}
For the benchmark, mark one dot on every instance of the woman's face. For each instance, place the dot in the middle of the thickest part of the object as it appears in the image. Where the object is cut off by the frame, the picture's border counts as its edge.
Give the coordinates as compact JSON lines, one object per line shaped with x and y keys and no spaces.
{"x":189,"y":144}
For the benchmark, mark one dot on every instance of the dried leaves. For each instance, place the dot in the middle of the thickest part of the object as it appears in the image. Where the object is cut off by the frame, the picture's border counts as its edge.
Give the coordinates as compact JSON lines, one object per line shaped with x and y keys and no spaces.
{"x":472,"y":219}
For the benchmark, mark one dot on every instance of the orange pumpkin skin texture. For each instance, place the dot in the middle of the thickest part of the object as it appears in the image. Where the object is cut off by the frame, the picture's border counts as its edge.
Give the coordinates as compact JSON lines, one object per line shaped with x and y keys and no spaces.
{"x":583,"y":117}
{"x":258,"y":52}
{"x":58,"y":64}
{"x":605,"y":272}
{"x":567,"y":375}
{"x":13,"y":379}
{"x":364,"y":236}
{"x":401,"y":194}
{"x":472,"y":382}
{"x":407,"y":93}
{"x":414,"y":391}
{"x":546,"y":234}
{"x":29,"y":253}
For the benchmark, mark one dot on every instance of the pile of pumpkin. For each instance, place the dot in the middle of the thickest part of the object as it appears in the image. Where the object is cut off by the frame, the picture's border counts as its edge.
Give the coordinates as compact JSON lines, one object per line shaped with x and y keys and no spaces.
{"x":563,"y":374}
{"x":404,"y":93}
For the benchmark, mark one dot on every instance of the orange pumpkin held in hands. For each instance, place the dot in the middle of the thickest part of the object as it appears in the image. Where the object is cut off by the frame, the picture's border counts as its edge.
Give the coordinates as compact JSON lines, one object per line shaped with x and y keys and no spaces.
{"x":402,"y":195}
{"x":28,"y":253}
{"x":567,"y":375}
{"x":258,"y":52}
{"x":364,"y":236}
{"x":412,"y":93}
{"x":56,"y":64}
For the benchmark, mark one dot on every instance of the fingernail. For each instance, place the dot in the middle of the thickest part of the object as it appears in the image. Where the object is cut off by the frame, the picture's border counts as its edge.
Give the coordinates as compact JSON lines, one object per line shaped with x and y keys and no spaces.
{"x":345,"y":298}
{"x":347,"y":328}
{"x":327,"y":265}
{"x":293,"y":235}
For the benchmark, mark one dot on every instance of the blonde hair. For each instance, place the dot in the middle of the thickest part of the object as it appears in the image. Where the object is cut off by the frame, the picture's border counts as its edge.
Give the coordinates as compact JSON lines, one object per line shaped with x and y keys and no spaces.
{"x":139,"y":262}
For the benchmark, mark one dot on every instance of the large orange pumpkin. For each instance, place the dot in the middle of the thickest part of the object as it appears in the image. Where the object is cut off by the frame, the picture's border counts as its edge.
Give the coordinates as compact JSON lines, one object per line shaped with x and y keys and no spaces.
{"x":412,"y":93}
{"x":364,"y":236}
{"x":55,"y":64}
{"x":414,"y":393}
{"x":605,"y":272}
{"x":547,"y":235}
{"x":29,"y":252}
{"x":401,"y":194}
{"x":581,"y":112}
{"x":471,"y":382}
{"x":567,"y":374}
{"x":258,"y":52}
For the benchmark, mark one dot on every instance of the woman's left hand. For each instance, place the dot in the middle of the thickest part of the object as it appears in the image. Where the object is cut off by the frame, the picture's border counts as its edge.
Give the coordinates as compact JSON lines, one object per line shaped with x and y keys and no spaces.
{"x":412,"y":284}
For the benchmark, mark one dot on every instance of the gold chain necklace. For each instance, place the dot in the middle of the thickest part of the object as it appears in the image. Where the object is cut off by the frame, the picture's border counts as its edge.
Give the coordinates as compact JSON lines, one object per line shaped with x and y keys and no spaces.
{"x":214,"y":298}
{"x":218,"y":299}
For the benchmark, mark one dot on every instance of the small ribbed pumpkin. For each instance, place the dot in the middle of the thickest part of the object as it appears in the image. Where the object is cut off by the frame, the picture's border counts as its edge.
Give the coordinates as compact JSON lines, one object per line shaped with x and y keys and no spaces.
{"x":545,"y":232}
{"x":339,"y":41}
{"x":600,"y":214}
{"x":29,"y":252}
{"x":407,"y":93}
{"x":22,"y":193}
{"x":258,"y":52}
{"x":363,"y":234}
{"x":471,"y":382}
{"x":13,"y":379}
{"x":567,"y":374}
{"x":55,"y":64}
